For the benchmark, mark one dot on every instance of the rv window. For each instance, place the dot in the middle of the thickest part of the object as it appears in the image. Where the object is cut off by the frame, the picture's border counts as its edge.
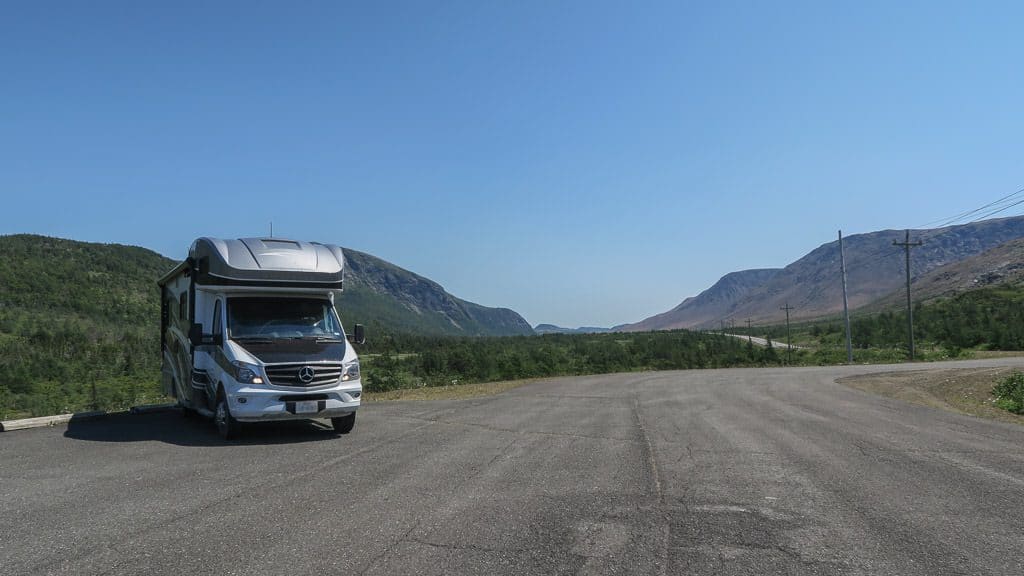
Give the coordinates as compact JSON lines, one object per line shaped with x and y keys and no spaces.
{"x":216,"y":319}
{"x":282,"y":318}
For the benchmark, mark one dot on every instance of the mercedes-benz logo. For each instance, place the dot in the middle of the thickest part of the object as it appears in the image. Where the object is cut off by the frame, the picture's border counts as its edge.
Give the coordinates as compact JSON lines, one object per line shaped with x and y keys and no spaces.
{"x":306,"y":374}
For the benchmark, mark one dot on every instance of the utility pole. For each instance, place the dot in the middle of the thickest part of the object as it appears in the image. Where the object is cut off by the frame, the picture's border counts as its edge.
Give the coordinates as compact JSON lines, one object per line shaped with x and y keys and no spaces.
{"x":846,"y":306}
{"x":789,"y":339}
{"x":749,"y":339}
{"x":271,"y":229}
{"x":907,"y":245}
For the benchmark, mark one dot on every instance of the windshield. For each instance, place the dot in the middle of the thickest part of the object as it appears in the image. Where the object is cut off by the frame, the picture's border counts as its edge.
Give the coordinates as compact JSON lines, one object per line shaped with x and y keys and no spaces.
{"x":282,"y":318}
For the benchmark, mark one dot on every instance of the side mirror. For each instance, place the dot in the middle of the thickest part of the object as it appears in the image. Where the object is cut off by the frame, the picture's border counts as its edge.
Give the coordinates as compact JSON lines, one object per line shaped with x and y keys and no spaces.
{"x":195,"y":334}
{"x":197,"y":338}
{"x":357,"y":336}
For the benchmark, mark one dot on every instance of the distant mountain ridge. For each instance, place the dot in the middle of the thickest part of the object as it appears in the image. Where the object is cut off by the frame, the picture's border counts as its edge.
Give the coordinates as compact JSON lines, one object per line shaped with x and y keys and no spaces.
{"x":812,"y":285}
{"x":553,"y":329}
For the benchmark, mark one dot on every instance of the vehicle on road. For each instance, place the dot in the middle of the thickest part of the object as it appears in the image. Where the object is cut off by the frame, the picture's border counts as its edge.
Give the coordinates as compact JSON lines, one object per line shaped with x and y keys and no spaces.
{"x":249,"y":333}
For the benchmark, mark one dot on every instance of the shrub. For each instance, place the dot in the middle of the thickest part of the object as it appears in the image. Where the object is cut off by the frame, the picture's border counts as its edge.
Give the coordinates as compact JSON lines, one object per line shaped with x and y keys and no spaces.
{"x":1009,"y":393}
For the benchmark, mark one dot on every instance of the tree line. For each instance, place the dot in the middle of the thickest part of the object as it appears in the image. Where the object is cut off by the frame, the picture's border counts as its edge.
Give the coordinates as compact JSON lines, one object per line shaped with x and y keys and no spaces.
{"x":403,"y":361}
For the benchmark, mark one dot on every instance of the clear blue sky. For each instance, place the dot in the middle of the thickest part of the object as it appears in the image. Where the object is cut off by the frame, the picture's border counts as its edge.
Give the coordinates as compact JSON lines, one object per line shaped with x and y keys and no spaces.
{"x":580,"y":162}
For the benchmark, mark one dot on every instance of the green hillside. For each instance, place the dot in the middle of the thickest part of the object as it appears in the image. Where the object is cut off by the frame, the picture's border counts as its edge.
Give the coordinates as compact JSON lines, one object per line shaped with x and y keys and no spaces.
{"x":989,"y":318}
{"x":78,"y":325}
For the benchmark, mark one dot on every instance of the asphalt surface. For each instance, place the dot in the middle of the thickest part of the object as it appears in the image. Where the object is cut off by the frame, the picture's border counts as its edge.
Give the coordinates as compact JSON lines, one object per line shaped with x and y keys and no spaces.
{"x":777,"y":471}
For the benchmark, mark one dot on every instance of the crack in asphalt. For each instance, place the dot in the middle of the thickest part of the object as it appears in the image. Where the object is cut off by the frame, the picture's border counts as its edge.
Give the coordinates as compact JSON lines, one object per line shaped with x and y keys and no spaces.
{"x":387,"y":549}
{"x":404,"y":538}
{"x":461,"y":547}
{"x":655,"y":474}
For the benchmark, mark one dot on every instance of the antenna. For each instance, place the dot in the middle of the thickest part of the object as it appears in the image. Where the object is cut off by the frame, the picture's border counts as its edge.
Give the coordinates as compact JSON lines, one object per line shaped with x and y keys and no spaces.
{"x":271,"y":228}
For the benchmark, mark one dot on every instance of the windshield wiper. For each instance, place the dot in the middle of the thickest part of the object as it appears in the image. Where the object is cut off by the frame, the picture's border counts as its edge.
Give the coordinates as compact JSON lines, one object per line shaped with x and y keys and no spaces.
{"x":263,"y":339}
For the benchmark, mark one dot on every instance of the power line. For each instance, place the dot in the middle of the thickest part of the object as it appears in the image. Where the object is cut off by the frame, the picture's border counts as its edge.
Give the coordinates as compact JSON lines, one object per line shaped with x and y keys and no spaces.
{"x":952,"y":219}
{"x":997,"y":211}
{"x":994,"y":207}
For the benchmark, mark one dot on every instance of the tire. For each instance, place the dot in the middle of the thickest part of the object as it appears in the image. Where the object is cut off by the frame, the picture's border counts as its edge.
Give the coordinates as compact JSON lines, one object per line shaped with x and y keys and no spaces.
{"x":344,"y":424}
{"x":226,"y":424}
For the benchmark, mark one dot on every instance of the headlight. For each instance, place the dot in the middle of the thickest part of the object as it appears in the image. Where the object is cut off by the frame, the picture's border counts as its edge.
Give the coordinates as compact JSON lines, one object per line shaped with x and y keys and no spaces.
{"x":246,"y":373}
{"x":350,"y":371}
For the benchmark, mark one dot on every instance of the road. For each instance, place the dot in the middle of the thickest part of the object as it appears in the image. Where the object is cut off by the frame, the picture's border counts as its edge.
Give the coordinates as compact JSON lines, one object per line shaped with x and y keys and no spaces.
{"x":775,"y":471}
{"x":764,"y":341}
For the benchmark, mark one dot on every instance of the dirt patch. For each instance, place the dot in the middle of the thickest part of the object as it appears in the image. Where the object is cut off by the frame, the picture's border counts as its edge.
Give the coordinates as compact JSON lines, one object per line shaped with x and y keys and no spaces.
{"x":961,"y":390}
{"x":458,"y":392}
{"x":982,"y":354}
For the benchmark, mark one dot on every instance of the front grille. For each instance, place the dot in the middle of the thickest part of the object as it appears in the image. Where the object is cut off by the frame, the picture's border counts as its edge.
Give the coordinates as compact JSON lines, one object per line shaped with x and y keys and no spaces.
{"x":289,"y":374}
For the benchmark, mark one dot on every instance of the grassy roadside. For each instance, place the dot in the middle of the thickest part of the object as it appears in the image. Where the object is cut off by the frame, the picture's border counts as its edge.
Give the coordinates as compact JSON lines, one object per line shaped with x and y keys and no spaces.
{"x":960,"y":390}
{"x":456,"y":392}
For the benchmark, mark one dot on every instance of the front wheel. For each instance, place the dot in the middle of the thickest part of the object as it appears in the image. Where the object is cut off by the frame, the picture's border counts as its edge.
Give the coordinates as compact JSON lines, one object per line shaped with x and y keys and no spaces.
{"x":227,"y":426}
{"x":344,"y":424}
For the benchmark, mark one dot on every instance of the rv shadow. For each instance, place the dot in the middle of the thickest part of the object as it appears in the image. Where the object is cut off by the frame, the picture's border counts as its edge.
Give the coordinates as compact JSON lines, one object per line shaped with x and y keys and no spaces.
{"x":172,"y":427}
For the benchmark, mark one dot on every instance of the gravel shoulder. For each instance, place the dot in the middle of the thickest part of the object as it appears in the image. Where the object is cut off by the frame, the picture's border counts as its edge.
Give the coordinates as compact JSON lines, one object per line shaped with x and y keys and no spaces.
{"x":961,"y":390}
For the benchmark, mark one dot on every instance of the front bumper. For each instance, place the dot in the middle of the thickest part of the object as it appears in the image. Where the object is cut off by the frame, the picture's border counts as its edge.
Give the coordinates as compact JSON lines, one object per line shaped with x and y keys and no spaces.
{"x":261,"y":404}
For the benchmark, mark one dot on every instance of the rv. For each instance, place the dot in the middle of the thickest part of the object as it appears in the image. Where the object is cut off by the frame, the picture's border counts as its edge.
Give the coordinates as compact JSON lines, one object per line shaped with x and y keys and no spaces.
{"x":249,"y":333}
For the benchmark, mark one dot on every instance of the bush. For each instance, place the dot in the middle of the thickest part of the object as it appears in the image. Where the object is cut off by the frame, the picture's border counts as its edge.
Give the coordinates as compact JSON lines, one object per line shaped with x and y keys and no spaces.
{"x":1009,"y":393}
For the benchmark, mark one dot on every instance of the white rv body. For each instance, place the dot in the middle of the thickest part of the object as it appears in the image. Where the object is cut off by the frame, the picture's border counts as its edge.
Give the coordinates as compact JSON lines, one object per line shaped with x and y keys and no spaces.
{"x":249,"y":333}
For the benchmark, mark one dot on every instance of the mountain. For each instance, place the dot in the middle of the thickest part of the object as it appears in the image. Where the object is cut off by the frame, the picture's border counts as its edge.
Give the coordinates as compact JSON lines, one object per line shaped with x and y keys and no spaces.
{"x":709,"y":306}
{"x":112,"y":283}
{"x":552,"y":329}
{"x":812,"y":284}
{"x":382,"y":295}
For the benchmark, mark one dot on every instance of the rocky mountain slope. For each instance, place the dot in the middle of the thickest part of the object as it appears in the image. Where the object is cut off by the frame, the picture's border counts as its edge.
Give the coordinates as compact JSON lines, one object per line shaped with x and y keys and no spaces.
{"x":812,"y":284}
{"x":380,"y":294}
{"x":711,"y":305}
{"x":1003,"y":264}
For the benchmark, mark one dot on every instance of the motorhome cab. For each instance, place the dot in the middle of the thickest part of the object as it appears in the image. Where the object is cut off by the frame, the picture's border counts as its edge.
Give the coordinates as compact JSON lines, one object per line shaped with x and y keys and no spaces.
{"x":249,"y":333}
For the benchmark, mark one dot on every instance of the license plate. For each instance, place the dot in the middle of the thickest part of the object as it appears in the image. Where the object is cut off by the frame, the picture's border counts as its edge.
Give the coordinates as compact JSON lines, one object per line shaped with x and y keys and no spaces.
{"x":306,"y":407}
